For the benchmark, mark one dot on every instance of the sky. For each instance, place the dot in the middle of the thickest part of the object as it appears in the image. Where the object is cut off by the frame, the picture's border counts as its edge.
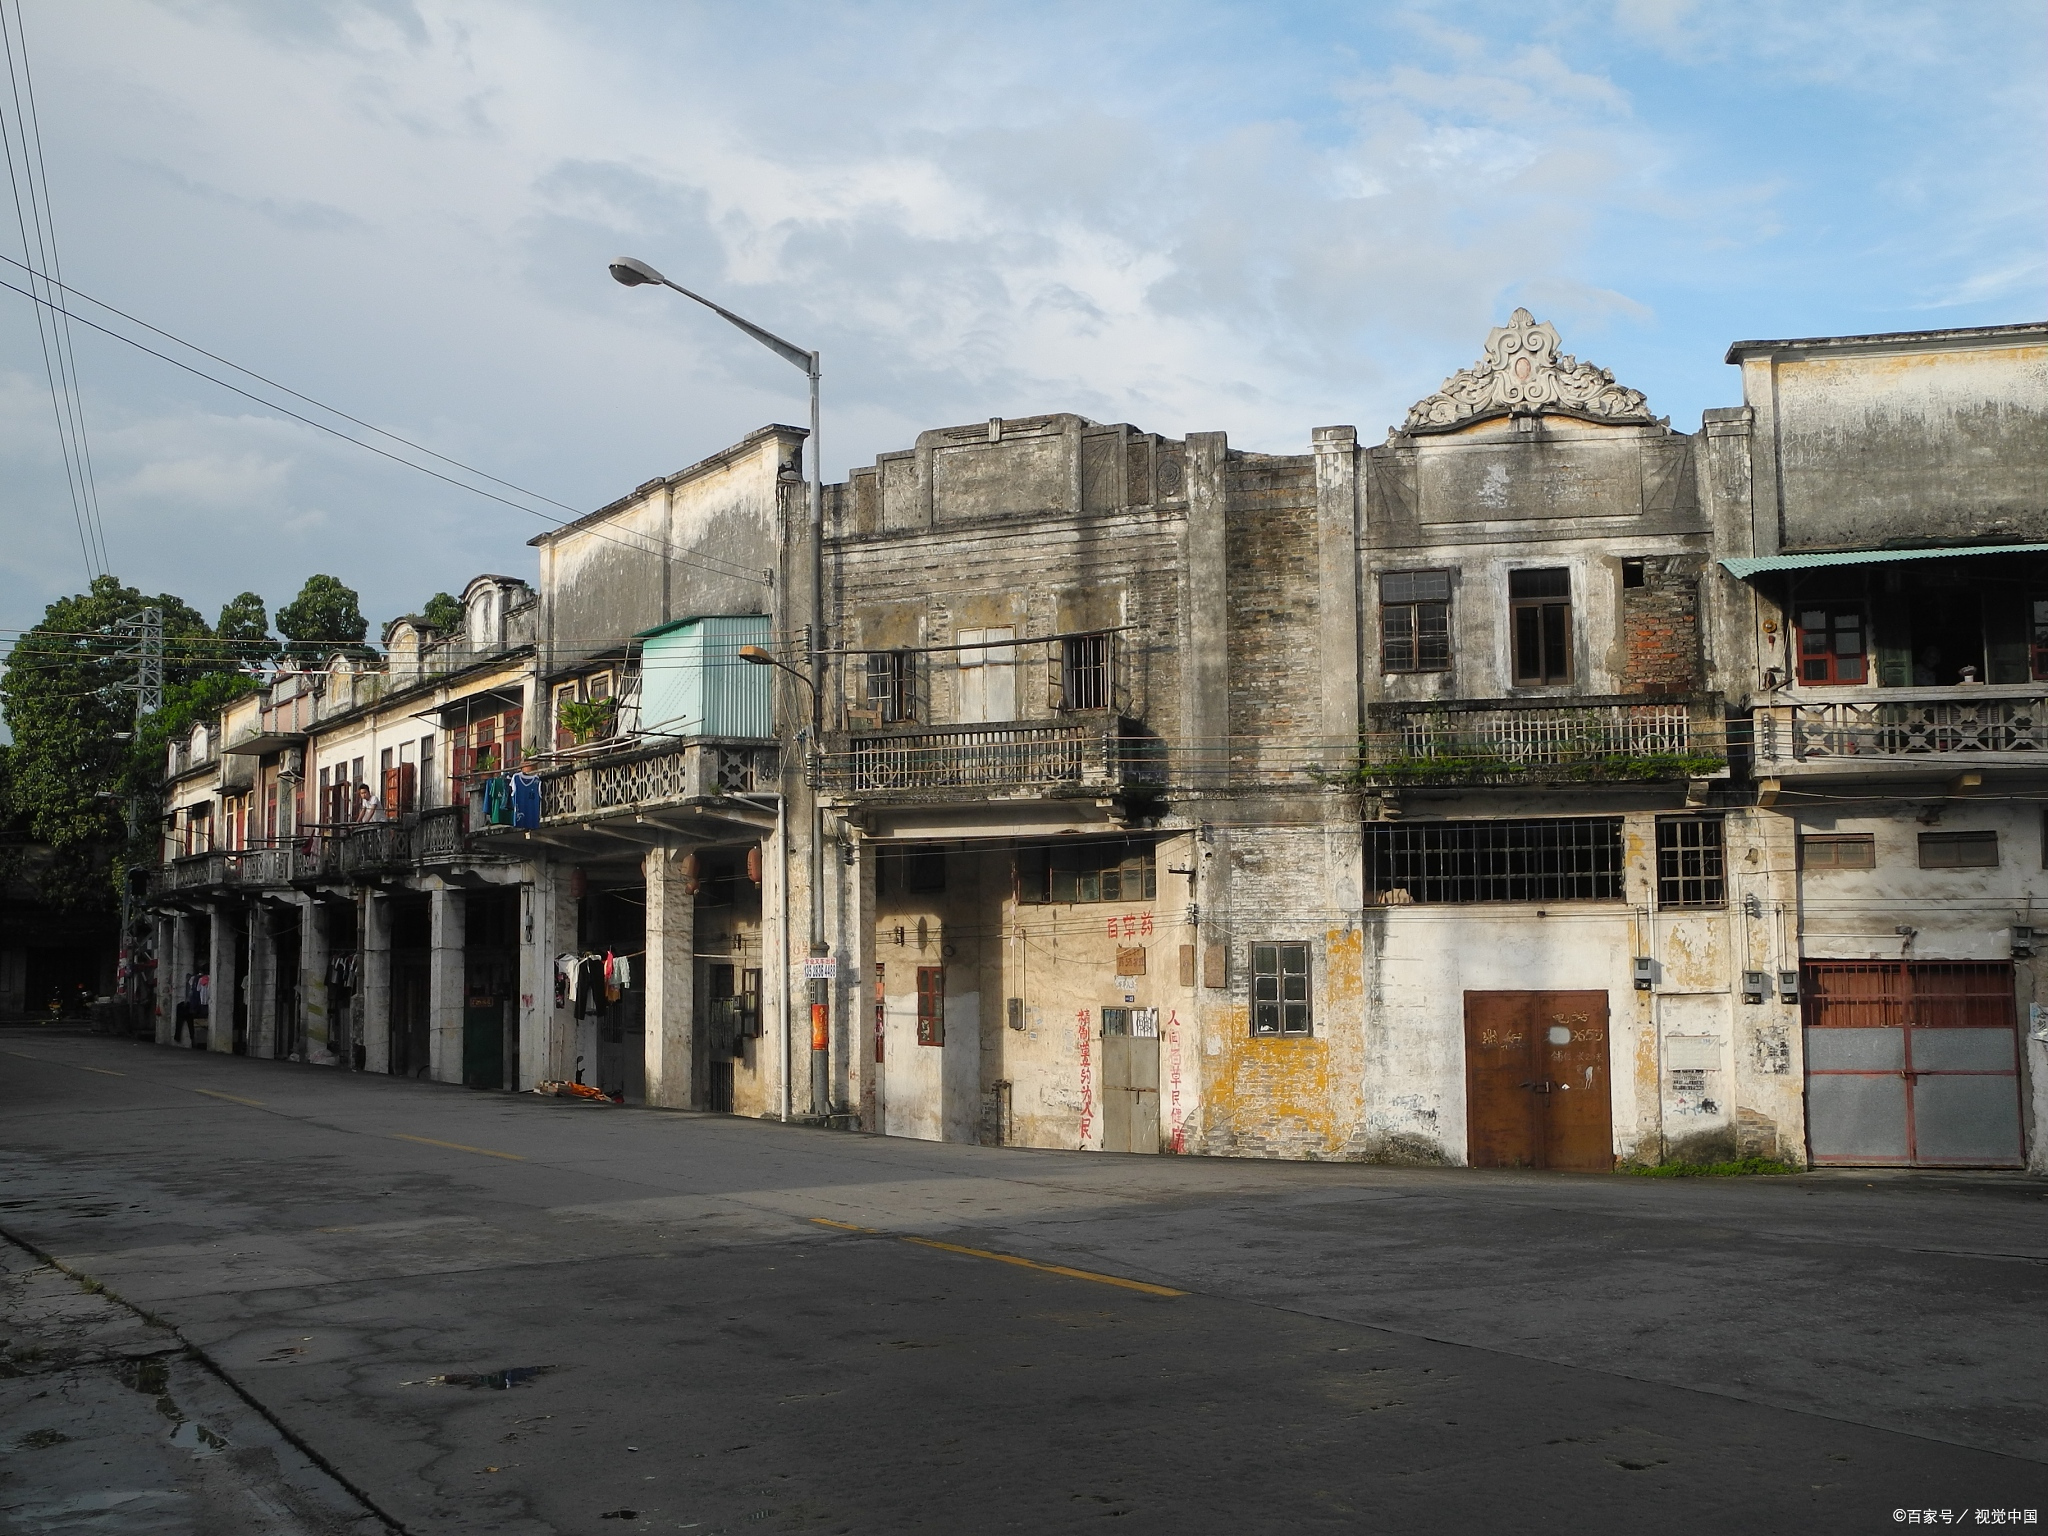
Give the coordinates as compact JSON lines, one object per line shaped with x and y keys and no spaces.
{"x":1257,"y":219}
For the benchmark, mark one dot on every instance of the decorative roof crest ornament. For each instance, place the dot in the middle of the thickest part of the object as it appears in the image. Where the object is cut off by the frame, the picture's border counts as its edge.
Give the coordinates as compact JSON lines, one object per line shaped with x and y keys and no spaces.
{"x":1524,"y":374}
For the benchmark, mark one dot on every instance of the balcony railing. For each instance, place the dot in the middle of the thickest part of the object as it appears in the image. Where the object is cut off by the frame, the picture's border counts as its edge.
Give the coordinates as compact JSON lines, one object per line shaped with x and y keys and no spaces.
{"x":1591,"y":741}
{"x":1983,"y":720}
{"x":441,"y":833}
{"x":693,"y":770}
{"x":1014,"y":755}
{"x":377,"y":847}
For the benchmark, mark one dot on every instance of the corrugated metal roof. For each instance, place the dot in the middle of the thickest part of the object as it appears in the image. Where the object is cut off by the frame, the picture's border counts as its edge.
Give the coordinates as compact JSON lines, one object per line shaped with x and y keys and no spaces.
{"x":1744,"y":567}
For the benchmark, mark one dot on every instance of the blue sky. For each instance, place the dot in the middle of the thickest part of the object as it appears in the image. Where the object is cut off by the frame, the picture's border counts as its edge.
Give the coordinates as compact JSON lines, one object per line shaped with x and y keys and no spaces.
{"x":1259,"y":219}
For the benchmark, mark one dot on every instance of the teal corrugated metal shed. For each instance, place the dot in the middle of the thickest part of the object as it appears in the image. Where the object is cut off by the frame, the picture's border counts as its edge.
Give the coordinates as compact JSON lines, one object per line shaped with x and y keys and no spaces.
{"x":1744,"y":567}
{"x":693,"y":682}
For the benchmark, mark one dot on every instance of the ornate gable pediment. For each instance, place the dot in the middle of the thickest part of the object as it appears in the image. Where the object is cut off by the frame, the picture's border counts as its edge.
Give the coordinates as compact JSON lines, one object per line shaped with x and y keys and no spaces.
{"x":1525,"y":373}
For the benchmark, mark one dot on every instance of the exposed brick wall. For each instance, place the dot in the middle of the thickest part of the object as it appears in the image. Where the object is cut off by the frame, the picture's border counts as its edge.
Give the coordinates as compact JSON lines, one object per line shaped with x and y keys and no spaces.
{"x":1660,"y":626}
{"x":1270,"y":538}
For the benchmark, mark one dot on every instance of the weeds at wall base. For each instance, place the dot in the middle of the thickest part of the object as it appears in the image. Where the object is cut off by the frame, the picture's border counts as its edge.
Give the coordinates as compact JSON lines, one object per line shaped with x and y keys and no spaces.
{"x":1741,"y":1167}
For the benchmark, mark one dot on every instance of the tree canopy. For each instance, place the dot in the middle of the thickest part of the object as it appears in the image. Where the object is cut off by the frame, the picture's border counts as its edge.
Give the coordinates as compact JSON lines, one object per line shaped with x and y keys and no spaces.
{"x":244,"y":630}
{"x":443,"y":612}
{"x":324,"y":619}
{"x":76,"y":754}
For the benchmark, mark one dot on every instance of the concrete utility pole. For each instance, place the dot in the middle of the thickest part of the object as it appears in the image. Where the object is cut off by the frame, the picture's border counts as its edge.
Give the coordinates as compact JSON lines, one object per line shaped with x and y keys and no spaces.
{"x":633,"y":272}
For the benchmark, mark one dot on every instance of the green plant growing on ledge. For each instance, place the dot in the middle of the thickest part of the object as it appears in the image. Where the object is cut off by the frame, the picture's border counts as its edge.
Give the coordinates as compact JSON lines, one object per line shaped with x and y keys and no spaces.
{"x":1594,"y":767}
{"x":1741,"y":1167}
{"x":587,"y":718}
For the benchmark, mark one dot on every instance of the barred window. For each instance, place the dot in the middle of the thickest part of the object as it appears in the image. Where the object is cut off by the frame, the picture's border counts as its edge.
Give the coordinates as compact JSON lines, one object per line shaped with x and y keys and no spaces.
{"x":1280,"y":991}
{"x":1576,"y":858}
{"x":1415,"y":621}
{"x":1084,"y":679}
{"x":1691,"y":870}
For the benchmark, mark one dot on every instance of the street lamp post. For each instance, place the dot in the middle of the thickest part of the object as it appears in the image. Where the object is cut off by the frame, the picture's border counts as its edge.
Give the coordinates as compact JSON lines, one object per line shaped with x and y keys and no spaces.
{"x":633,"y":273}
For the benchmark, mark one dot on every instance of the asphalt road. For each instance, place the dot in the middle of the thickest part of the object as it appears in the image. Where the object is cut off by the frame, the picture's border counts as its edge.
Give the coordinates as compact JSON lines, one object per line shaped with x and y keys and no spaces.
{"x":747,"y":1327}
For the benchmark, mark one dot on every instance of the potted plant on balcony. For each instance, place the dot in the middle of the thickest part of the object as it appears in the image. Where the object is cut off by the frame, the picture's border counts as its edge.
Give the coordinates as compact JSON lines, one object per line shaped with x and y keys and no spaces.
{"x":588,"y":719}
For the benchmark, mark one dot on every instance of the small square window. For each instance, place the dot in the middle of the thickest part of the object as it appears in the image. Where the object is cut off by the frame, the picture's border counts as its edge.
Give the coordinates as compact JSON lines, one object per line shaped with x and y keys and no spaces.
{"x":1691,"y":868}
{"x":1959,"y":850}
{"x":1847,"y":851}
{"x":1280,"y":989}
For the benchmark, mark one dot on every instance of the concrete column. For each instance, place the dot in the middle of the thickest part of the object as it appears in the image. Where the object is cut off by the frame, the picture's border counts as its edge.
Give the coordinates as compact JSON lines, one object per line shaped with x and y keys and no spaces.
{"x":671,"y":967}
{"x":1204,"y":679}
{"x":373,"y":977}
{"x":1337,"y":612}
{"x":167,"y":979}
{"x":536,"y":977}
{"x":263,"y":980}
{"x":445,"y":987}
{"x":558,"y":922}
{"x":869,"y":1094}
{"x":324,"y":1032}
{"x":225,"y":971}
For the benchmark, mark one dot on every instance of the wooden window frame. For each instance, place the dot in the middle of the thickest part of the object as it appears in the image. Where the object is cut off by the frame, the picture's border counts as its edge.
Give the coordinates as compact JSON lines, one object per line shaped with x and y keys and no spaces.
{"x":1825,"y":668}
{"x":1692,"y":863}
{"x":1955,"y":844}
{"x":1281,"y":968}
{"x":1822,"y":851}
{"x":1080,"y":874}
{"x":931,"y":1005}
{"x":1415,"y":621}
{"x":891,"y":686}
{"x":1540,"y":622}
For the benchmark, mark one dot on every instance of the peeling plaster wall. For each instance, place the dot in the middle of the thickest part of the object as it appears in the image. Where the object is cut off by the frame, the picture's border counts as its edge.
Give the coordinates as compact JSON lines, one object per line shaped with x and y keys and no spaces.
{"x":1904,"y":440}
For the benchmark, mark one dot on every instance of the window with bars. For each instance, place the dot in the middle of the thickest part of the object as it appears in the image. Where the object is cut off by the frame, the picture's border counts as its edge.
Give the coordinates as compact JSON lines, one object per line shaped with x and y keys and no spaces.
{"x":1086,"y":672}
{"x":1415,"y":621}
{"x":1564,"y":858}
{"x":1280,"y":989}
{"x":1540,"y":619}
{"x":1691,"y":866}
{"x":931,"y":1005}
{"x":1959,"y":850}
{"x":1838,"y":851}
{"x":892,"y":686}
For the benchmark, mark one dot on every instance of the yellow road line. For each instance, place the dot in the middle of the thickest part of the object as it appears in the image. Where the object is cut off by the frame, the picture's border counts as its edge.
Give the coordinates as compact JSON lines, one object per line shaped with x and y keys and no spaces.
{"x":1051,"y":1269}
{"x":428,"y":1141}
{"x":231,"y":1098}
{"x":1011,"y":1258}
{"x":52,"y":1061}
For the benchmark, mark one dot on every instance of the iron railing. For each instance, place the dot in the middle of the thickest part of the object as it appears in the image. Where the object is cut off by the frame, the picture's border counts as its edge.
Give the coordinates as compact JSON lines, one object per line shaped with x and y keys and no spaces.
{"x":1013,"y":755}
{"x":1492,"y":741}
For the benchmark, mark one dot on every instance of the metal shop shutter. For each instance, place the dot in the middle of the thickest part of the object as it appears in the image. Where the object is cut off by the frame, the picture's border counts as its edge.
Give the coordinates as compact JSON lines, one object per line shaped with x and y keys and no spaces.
{"x":1912,"y":1063}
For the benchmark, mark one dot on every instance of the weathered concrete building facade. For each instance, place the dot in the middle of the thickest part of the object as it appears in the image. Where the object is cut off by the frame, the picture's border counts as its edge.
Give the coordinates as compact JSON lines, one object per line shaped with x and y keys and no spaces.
{"x":1540,"y":785}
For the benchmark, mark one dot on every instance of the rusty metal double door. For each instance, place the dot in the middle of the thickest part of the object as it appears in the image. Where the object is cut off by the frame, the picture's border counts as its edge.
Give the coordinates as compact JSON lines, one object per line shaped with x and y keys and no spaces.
{"x":1536,"y":1092}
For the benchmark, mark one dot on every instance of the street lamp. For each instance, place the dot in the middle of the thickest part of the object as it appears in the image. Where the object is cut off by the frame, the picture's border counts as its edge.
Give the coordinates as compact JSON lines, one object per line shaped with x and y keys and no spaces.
{"x":633,"y":273}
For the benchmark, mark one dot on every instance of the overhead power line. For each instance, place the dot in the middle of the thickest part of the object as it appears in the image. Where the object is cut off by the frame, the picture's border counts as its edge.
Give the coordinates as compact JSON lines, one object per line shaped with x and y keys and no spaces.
{"x":641,"y":543}
{"x":28,"y":175}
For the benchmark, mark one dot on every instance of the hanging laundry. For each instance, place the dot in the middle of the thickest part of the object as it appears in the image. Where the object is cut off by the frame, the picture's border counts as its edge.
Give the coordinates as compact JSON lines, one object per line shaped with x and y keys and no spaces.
{"x":498,"y":801}
{"x":525,"y":793}
{"x":624,"y":973}
{"x":565,"y":977}
{"x":611,"y":978}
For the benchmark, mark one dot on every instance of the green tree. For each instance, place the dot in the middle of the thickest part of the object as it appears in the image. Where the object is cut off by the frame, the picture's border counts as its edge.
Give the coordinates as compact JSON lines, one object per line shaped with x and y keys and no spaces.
{"x":443,"y":612}
{"x":77,"y":754}
{"x":244,"y":630}
{"x":324,"y":619}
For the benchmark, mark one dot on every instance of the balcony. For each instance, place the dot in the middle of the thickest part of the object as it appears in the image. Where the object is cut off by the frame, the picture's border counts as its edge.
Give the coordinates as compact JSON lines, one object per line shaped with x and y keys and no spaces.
{"x":1092,"y":753}
{"x":1507,"y":742}
{"x":670,"y":774}
{"x":1899,"y":730}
